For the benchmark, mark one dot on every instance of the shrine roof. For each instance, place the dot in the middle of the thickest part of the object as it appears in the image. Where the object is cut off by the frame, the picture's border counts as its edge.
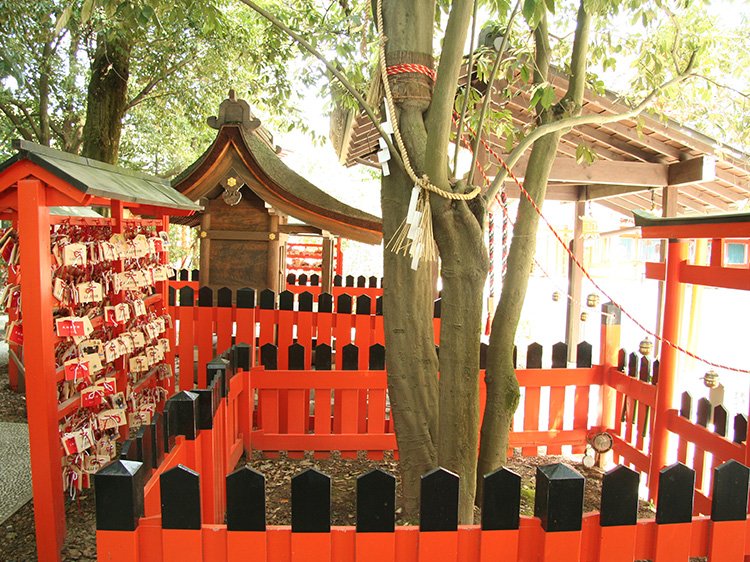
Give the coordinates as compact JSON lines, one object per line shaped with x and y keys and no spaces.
{"x":243,"y":149}
{"x":101,"y":180}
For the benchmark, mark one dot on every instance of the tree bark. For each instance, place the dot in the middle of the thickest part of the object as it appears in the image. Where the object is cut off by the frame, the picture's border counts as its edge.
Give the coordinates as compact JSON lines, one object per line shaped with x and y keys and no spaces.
{"x":410,"y":351}
{"x":459,"y":235}
{"x":44,"y":89}
{"x":500,"y":377}
{"x":407,"y":294}
{"x":107,"y":99}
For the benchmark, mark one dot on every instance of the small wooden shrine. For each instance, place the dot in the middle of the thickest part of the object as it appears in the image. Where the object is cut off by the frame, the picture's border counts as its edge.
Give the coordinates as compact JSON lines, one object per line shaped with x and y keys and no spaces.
{"x":249,"y":195}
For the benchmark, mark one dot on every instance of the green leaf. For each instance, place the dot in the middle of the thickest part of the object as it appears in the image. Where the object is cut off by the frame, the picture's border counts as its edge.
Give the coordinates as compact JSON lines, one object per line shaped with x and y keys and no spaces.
{"x":550,"y":5}
{"x":548,"y":97}
{"x":62,"y":21}
{"x":86,"y":10}
{"x":525,"y":73}
{"x":529,"y":8}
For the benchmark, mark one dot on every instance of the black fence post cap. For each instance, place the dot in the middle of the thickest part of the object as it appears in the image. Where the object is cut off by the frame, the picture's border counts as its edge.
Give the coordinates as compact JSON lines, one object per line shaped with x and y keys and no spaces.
{"x":502,"y":500}
{"x":674,"y":502}
{"x":206,"y":409}
{"x":619,"y":502}
{"x":559,"y":498}
{"x":376,"y":502}
{"x":438,"y":509}
{"x":730,"y":491}
{"x":180,"y":498}
{"x":246,"y":298}
{"x":242,"y":356}
{"x":119,"y":495}
{"x":246,"y":500}
{"x":311,"y":502}
{"x":183,"y":409}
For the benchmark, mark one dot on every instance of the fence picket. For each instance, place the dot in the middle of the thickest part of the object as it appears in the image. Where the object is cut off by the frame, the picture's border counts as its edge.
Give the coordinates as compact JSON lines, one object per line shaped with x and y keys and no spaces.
{"x":305,"y":326}
{"x":674,"y":513}
{"x":325,"y":319}
{"x":557,"y":395}
{"x":245,"y":316}
{"x":185,"y":316}
{"x":619,"y":514}
{"x":581,"y":395}
{"x":531,"y":404}
{"x":223,"y":327}
{"x":311,"y":502}
{"x":205,"y":333}
{"x":740,"y":428}
{"x":699,"y":455}
{"x":644,"y":374}
{"x":501,"y":501}
{"x":686,"y":406}
{"x":375,"y":405}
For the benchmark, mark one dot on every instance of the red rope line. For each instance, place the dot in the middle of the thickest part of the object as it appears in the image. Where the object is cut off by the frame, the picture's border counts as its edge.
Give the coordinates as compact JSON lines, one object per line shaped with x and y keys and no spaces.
{"x":415,"y":68}
{"x":583,"y":269}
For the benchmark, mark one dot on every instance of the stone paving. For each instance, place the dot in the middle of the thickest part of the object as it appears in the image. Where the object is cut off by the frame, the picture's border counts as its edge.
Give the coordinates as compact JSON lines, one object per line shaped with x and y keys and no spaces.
{"x":15,"y":468}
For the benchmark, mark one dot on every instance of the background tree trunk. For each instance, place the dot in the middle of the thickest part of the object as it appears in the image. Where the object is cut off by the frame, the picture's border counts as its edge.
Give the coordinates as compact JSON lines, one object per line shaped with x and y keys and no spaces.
{"x":107,"y":99}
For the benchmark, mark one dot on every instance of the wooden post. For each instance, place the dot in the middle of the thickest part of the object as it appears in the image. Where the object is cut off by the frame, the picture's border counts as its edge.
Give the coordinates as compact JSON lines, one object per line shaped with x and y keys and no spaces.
{"x":575,"y":278}
{"x":673,"y":298}
{"x":668,"y":209}
{"x":610,"y":342}
{"x":205,"y":245}
{"x":327,"y":269}
{"x":41,"y":387}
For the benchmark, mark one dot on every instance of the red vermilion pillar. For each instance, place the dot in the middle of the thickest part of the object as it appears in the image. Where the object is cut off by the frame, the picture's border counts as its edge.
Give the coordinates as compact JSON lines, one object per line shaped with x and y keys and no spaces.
{"x":674,"y":295}
{"x":41,"y":387}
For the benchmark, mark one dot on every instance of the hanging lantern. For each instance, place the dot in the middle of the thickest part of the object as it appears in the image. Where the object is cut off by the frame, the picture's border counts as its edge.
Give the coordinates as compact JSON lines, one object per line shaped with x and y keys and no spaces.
{"x":592,"y":300}
{"x":584,"y":316}
{"x":711,"y":379}
{"x":645,"y":347}
{"x":556,"y":296}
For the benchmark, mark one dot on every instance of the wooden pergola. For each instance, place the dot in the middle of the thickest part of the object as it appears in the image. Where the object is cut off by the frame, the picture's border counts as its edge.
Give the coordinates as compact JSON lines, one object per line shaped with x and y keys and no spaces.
{"x":648,"y":163}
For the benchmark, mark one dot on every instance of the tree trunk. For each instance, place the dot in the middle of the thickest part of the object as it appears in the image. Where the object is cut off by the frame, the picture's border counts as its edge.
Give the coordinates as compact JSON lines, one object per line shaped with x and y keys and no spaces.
{"x":459,"y":235}
{"x":500,"y":377}
{"x":107,"y":99}
{"x":502,"y":385}
{"x":407,"y":294}
{"x":44,"y":90}
{"x":410,"y":350}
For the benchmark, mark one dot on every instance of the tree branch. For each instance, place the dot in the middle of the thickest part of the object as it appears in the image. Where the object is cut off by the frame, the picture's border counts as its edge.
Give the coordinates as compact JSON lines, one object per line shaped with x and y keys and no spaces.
{"x":577,"y":83}
{"x":333,"y":70}
{"x":25,"y":132}
{"x":438,"y":120}
{"x":154,"y":81}
{"x":29,"y":119}
{"x":570,"y":122}
{"x":488,"y":94}
{"x":723,"y":86}
{"x":469,"y":72}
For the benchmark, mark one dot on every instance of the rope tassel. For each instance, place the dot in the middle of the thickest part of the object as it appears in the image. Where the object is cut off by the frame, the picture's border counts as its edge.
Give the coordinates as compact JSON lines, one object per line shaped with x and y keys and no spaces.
{"x":414,"y":238}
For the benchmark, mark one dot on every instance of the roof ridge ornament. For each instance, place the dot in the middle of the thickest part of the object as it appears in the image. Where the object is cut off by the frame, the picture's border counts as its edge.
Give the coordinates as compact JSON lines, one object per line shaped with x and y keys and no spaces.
{"x":234,"y":111}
